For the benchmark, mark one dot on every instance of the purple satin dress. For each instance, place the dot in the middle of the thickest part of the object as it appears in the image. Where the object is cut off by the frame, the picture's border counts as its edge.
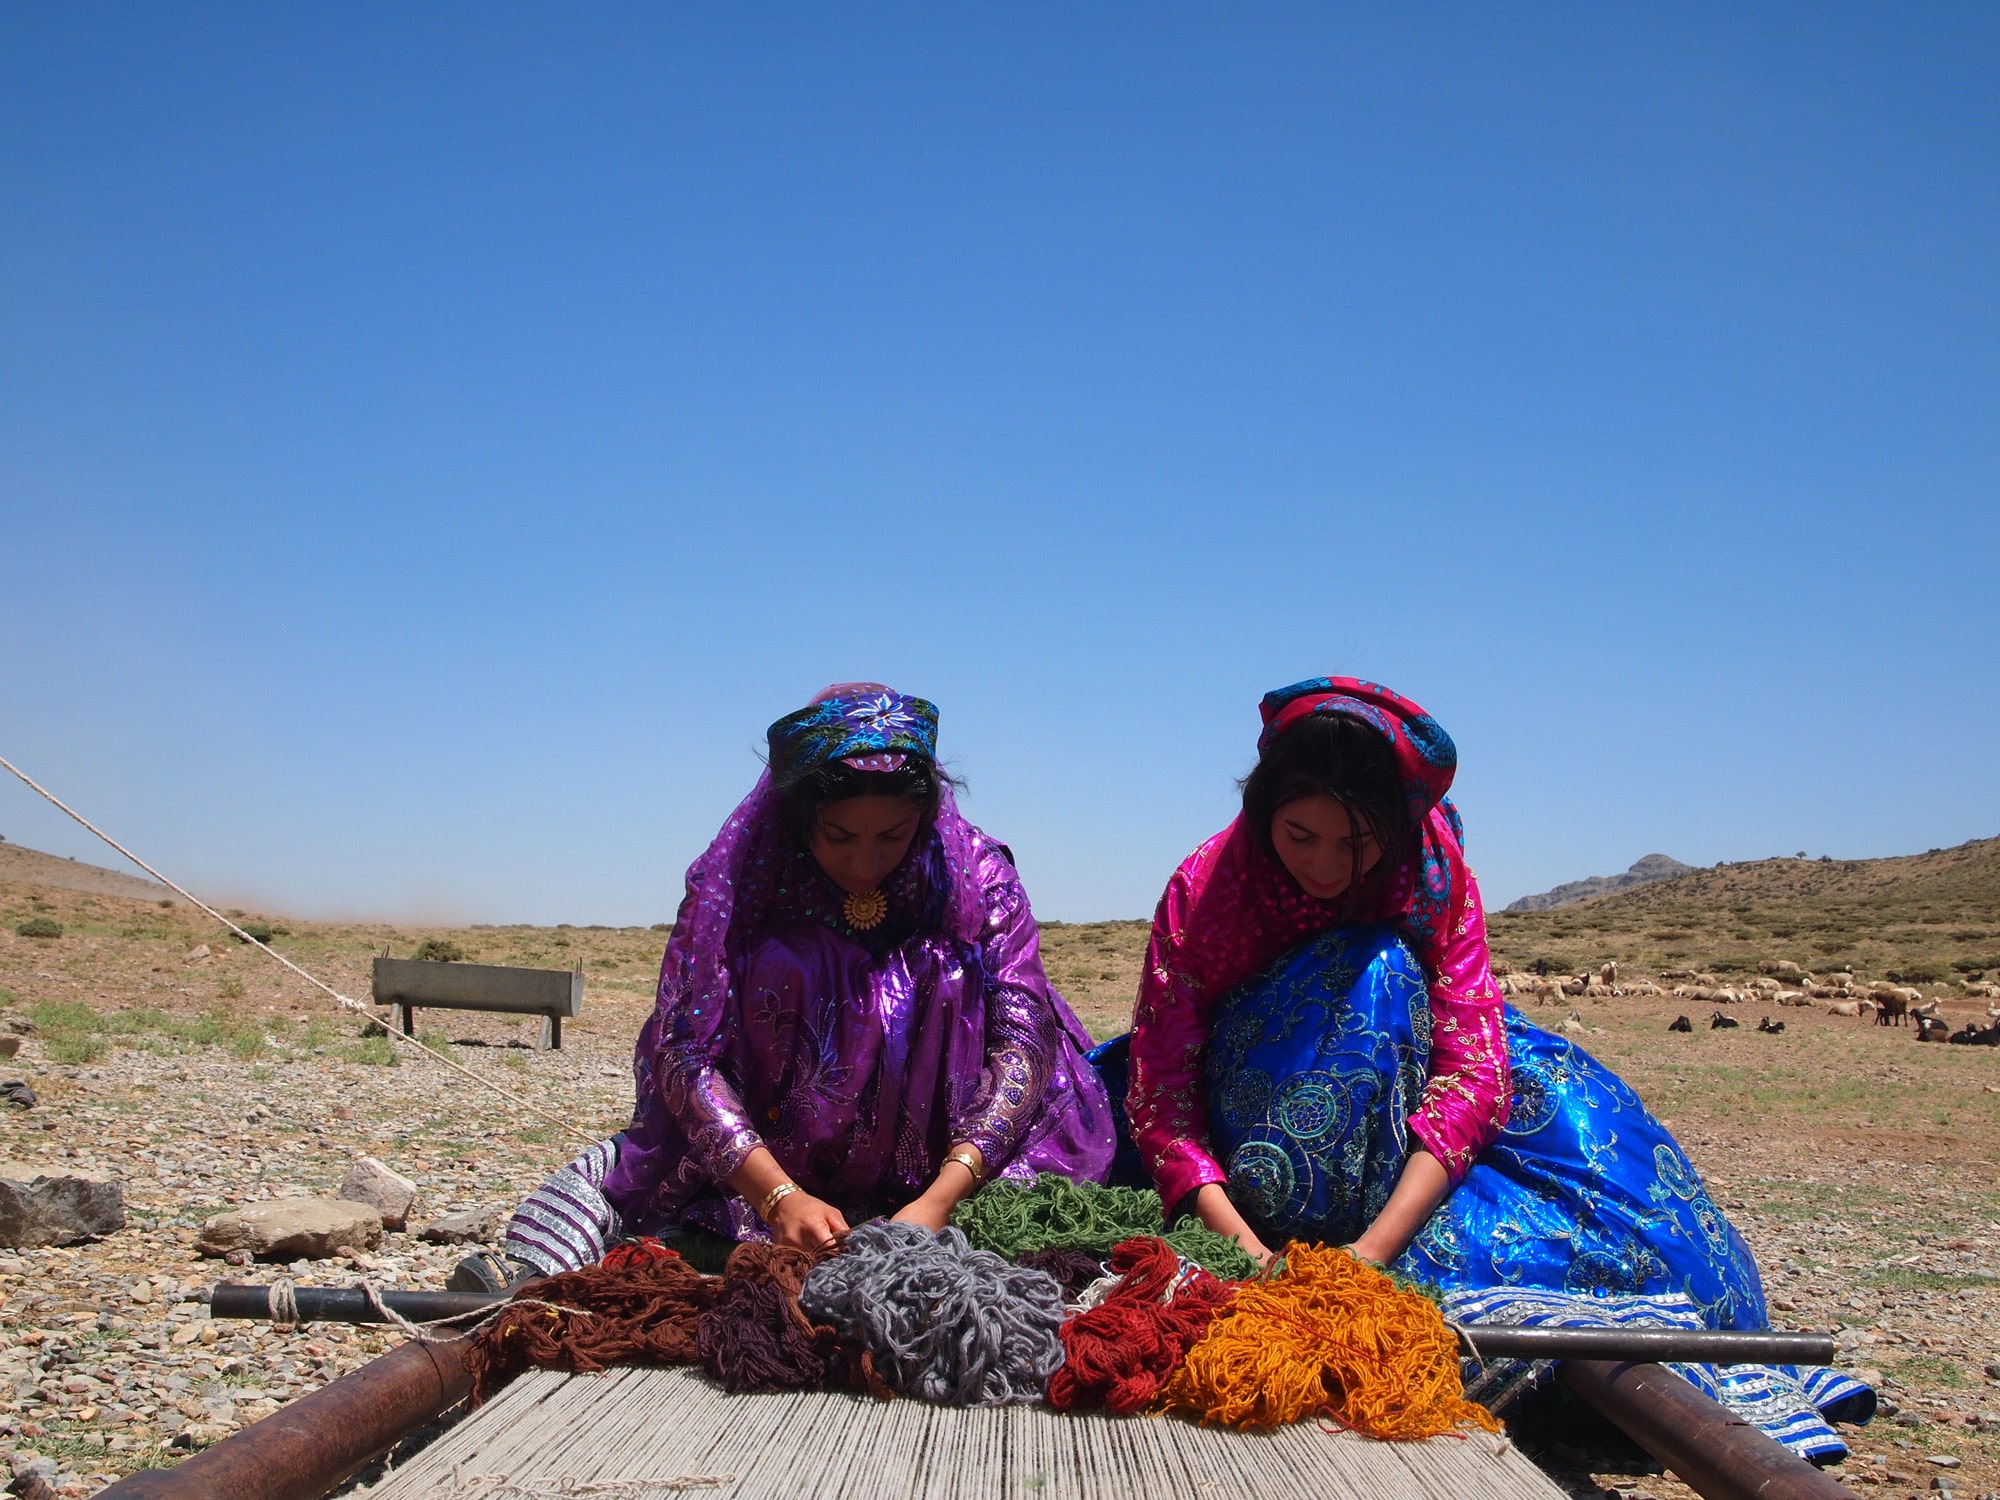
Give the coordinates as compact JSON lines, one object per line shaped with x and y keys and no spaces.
{"x":857,"y":1058}
{"x":860,"y":1069}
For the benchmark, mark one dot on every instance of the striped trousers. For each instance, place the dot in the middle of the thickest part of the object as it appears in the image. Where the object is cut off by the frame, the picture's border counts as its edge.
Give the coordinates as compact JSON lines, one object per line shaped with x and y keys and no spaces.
{"x":566,"y":1223}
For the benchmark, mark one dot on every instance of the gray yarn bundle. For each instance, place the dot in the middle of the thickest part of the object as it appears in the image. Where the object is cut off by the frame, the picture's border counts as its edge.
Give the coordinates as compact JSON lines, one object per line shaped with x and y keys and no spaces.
{"x":945,"y":1322}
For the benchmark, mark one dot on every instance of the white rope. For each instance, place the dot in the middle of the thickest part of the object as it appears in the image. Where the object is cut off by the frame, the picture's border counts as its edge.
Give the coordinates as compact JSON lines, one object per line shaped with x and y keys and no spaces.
{"x":283,"y":1301}
{"x":284,"y":1304}
{"x":456,"y":1321}
{"x":347,"y":1001}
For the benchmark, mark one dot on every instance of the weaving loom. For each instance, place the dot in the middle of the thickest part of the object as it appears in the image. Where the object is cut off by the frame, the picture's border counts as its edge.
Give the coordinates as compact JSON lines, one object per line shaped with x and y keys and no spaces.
{"x":644,"y":1434}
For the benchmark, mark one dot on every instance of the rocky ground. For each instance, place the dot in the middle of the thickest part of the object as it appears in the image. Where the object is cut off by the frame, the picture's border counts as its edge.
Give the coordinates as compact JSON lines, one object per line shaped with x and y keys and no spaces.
{"x":1860,"y":1166}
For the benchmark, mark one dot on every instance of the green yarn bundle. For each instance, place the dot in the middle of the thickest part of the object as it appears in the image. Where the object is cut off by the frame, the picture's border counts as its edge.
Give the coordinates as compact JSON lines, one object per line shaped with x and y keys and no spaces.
{"x":1059,"y":1213}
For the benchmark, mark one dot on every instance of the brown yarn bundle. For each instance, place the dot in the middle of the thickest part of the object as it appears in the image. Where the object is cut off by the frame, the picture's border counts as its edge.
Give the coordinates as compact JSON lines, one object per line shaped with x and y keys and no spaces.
{"x":640,"y":1305}
{"x":1073,"y":1269}
{"x":755,"y":1338}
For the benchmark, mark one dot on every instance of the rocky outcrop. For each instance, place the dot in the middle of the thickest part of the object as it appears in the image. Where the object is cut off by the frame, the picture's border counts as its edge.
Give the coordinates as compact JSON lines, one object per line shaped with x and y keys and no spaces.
{"x":38,"y":1207}
{"x":475,"y":1226}
{"x":292,"y":1229}
{"x":1643,"y":872}
{"x":382,"y":1188}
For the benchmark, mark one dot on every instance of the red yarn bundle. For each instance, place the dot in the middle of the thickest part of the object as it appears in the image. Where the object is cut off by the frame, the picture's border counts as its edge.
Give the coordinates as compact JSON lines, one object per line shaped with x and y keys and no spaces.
{"x":1121,"y":1352}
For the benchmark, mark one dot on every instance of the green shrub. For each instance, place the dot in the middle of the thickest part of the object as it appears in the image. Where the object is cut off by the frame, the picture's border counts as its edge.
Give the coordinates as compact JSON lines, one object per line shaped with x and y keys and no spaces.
{"x":263,"y":932}
{"x":1975,"y":966}
{"x":231,"y":987}
{"x":1917,"y":974}
{"x":373,"y":1051}
{"x":1550,"y":963}
{"x":440,"y":951}
{"x":39,"y":927}
{"x":71,"y":1032}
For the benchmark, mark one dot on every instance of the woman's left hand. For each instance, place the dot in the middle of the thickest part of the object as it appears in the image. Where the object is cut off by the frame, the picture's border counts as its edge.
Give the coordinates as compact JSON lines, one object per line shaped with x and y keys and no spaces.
{"x":927,"y":1211}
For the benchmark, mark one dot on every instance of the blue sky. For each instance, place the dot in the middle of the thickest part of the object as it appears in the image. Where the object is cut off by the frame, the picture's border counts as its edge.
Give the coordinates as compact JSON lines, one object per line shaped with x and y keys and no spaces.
{"x":435,"y":441}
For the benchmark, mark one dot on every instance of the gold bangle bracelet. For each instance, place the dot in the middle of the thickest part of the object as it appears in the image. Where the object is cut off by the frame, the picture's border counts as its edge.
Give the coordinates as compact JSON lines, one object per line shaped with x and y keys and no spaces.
{"x":773,"y":1198}
{"x":971,"y":1164}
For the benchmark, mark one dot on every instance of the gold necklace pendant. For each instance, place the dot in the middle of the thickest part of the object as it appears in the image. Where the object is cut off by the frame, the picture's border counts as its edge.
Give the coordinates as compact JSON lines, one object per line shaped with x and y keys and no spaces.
{"x":864,"y":912}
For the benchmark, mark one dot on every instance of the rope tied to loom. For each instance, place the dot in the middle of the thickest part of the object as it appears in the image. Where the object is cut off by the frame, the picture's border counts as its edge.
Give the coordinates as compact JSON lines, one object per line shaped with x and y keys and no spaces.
{"x":1058,"y":1213}
{"x":1122,"y":1351}
{"x":1333,"y":1337}
{"x":943,"y":1321}
{"x":283,"y":1300}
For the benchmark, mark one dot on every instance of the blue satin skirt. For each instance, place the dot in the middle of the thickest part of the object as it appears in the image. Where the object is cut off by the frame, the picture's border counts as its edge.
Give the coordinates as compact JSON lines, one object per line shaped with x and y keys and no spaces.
{"x":1584,"y":1211}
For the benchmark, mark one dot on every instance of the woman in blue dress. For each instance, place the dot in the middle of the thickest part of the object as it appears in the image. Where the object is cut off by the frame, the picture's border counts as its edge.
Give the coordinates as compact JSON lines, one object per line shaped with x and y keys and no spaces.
{"x":1320,"y":1053}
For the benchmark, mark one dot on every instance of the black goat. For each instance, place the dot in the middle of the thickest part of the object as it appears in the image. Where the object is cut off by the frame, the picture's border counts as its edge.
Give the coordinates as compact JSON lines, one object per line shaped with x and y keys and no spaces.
{"x":1720,"y":1022}
{"x":1680,"y":1023}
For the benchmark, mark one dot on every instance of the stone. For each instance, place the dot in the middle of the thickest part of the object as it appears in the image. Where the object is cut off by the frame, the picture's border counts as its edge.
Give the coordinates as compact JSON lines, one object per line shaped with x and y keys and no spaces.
{"x":387,"y":1191}
{"x":291,"y":1229}
{"x":195,"y":954}
{"x":473,"y":1226}
{"x":38,"y":1207}
{"x":1942,"y":1460}
{"x":9,"y":1046}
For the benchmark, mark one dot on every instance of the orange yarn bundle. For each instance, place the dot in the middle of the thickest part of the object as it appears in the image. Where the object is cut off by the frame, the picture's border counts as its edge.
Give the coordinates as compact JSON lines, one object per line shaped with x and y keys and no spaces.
{"x":1328,"y":1336}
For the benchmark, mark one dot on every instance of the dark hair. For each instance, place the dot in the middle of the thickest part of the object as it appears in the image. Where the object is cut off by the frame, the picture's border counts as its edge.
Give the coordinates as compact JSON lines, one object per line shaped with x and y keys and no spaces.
{"x":1338,"y":756}
{"x":802,"y":799}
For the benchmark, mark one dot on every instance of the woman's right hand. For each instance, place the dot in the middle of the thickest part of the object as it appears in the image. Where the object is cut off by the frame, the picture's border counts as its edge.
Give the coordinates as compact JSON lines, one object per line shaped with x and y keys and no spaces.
{"x":805,"y":1222}
{"x":1215,"y":1210}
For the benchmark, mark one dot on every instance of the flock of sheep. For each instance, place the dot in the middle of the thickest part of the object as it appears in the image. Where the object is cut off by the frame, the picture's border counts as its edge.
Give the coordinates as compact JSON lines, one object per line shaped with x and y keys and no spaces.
{"x":1782,"y":983}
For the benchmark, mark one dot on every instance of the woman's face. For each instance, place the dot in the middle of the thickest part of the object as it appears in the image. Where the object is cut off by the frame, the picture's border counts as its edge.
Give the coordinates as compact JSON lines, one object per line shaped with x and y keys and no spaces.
{"x":859,"y":841}
{"x":1316,"y":842}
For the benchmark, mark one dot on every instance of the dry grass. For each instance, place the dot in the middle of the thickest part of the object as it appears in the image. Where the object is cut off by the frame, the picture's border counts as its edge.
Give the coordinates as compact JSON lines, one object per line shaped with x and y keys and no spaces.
{"x":1858,"y":1162}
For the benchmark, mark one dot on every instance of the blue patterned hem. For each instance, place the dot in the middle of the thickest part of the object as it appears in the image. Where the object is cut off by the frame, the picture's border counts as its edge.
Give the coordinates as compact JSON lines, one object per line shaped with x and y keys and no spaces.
{"x":1796,"y":1407}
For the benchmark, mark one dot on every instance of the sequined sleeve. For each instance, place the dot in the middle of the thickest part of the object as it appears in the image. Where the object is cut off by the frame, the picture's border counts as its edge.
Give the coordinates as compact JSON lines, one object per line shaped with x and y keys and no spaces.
{"x":1021,"y":1025}
{"x":1465,"y":1103}
{"x":1167,"y":1100}
{"x":687,"y":1038}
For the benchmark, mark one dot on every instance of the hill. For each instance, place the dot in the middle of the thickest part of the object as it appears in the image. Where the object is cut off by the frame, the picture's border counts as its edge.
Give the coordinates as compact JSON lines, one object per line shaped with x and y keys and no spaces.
{"x":1925,"y":918}
{"x":32,"y":867}
{"x":1644,"y":871}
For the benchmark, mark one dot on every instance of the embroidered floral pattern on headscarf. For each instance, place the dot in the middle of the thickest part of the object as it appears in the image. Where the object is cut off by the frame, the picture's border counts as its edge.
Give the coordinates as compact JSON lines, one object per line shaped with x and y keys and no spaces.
{"x":1231,"y":909}
{"x":859,"y":721}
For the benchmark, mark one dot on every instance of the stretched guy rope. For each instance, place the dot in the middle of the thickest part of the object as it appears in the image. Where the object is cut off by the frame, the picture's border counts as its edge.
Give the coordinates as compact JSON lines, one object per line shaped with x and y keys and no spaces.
{"x":344,"y":1000}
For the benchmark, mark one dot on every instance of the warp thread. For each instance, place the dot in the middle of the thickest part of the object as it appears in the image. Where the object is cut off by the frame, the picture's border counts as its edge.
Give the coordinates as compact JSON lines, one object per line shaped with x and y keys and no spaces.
{"x":645,"y":1303}
{"x":1329,"y":1336}
{"x":943,"y":1322}
{"x":1073,"y":1269}
{"x":1059,"y":1213}
{"x":1122,"y":1351}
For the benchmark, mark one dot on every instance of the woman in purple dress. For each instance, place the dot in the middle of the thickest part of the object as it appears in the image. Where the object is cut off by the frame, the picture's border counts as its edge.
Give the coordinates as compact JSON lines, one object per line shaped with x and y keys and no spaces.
{"x":852,"y":1018}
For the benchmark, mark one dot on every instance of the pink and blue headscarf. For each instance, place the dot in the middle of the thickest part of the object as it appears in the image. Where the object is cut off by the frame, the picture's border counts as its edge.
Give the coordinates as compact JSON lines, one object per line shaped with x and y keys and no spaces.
{"x":1244,"y":910}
